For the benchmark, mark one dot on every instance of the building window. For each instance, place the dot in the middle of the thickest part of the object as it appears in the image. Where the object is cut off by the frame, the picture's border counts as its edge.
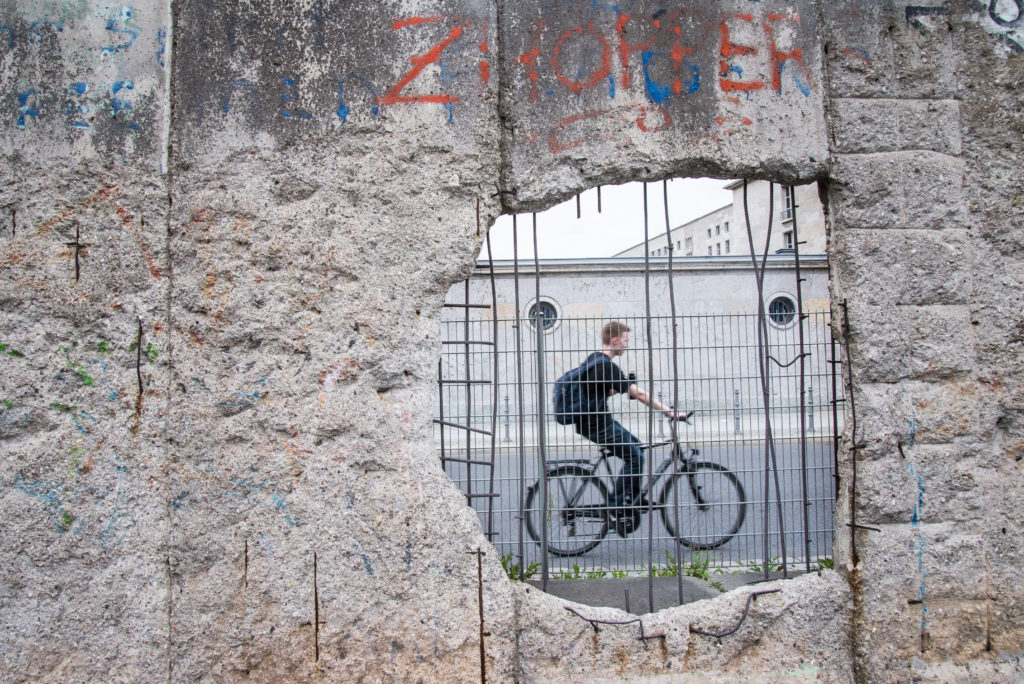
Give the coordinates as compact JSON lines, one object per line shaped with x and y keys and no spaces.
{"x":718,"y":229}
{"x":787,"y":239}
{"x":710,"y":250}
{"x":548,"y":314}
{"x":726,"y":246}
{"x":726,"y":226}
{"x":718,"y":249}
{"x":788,"y":195}
{"x":782,"y":310}
{"x":709,"y":232}
{"x":689,"y":243}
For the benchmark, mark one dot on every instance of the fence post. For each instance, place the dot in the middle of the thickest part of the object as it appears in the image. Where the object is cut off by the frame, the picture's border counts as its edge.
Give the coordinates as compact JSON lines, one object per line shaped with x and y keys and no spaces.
{"x":661,"y":418}
{"x":738,"y":423}
{"x":508,"y":414}
{"x":810,"y":409}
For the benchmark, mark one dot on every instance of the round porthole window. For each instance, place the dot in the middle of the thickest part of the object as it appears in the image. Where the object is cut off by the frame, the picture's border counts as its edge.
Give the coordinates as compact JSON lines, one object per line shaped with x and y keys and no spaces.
{"x":782,"y":311}
{"x":548,"y":314}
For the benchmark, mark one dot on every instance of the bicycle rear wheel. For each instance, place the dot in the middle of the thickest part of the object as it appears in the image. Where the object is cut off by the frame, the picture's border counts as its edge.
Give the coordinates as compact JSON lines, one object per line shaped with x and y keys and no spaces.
{"x":577,"y":511}
{"x":712,"y":505}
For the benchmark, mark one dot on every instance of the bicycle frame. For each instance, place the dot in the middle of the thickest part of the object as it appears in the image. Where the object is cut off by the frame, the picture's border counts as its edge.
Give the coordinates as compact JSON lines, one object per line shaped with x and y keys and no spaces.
{"x":684,"y":454}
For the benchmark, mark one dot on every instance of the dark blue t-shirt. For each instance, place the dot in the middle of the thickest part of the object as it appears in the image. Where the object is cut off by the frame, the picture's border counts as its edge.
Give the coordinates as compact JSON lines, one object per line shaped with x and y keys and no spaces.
{"x":598,"y":384}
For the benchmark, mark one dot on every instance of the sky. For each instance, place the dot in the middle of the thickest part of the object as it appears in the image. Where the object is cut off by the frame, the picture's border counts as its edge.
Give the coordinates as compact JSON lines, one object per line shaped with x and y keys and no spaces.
{"x":620,"y":224}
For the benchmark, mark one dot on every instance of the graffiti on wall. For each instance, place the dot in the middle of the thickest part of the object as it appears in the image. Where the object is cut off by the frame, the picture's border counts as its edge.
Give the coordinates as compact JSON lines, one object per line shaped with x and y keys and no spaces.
{"x":1004,"y":19}
{"x":94,"y":47}
{"x":647,"y":62}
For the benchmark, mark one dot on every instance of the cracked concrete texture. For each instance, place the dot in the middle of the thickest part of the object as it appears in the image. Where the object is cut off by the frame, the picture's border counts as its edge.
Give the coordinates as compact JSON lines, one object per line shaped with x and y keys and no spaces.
{"x":216,"y":459}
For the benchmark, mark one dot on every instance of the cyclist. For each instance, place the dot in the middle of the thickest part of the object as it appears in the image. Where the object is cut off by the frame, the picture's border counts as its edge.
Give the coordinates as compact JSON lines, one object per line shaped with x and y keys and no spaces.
{"x":603,"y":380}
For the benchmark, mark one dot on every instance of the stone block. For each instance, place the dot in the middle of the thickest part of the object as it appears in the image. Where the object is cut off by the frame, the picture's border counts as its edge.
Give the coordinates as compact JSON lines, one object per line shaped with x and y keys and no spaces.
{"x":866,"y":191}
{"x":953,"y":629}
{"x":859,"y":60}
{"x":924,"y":60}
{"x":883,"y":418}
{"x":865,"y":125}
{"x":943,"y":411}
{"x":867,"y":262}
{"x":929,"y":125}
{"x":933,"y":483}
{"x":899,"y":190}
{"x":887,"y":125}
{"x":941,"y":341}
{"x":932,"y":185}
{"x":936,"y":268}
{"x":879,"y":341}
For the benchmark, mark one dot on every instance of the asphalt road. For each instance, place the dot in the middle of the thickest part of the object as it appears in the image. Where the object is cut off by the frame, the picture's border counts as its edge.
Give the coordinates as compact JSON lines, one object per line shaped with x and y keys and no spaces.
{"x":650,"y":541}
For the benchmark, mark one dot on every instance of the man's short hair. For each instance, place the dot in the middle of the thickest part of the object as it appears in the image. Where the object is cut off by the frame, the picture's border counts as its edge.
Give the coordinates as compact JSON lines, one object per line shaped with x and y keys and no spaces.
{"x":613,"y":329}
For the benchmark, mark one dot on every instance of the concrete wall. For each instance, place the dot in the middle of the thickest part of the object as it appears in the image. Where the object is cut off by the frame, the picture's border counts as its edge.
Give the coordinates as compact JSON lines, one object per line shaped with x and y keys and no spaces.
{"x":215,"y":438}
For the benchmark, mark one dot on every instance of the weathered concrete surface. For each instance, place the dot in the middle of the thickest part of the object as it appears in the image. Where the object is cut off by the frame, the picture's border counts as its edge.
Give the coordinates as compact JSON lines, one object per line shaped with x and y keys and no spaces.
{"x":636,"y":90}
{"x":924,"y":199}
{"x":215,"y":441}
{"x":84,"y":585}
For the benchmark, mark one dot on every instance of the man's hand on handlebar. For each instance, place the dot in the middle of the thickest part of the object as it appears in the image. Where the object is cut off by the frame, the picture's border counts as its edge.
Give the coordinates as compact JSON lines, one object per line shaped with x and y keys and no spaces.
{"x":681,"y":415}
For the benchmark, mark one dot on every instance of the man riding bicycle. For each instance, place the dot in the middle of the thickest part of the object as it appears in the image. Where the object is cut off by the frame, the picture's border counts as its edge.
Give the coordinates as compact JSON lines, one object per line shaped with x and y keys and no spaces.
{"x":603,"y":379}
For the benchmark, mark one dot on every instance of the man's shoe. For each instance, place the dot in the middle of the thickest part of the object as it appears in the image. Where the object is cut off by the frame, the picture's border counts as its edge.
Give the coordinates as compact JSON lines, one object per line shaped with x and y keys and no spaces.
{"x":622,"y":522}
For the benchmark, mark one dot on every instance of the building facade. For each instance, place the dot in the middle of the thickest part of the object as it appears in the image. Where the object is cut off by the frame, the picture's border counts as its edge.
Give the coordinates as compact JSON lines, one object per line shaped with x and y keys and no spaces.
{"x":796,"y":213}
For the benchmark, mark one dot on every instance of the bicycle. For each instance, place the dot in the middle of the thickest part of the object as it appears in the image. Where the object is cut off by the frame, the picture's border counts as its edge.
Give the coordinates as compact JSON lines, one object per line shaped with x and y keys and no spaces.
{"x":712,"y":505}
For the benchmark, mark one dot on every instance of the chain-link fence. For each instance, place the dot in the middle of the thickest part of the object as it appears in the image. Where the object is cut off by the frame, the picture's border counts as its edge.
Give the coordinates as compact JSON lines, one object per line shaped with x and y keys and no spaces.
{"x":717,"y":360}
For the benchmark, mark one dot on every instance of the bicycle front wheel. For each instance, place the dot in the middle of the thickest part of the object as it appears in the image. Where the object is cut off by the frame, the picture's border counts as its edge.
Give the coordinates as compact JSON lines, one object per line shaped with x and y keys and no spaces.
{"x":577,"y":511}
{"x":712,"y":505}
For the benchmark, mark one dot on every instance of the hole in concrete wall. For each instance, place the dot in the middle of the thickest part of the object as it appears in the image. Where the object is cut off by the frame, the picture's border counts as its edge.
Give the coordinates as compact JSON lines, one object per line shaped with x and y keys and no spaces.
{"x":694,"y":347}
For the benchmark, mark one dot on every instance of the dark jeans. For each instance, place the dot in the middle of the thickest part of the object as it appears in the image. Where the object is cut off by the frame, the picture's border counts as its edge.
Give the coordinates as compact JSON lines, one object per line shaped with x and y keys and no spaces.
{"x":623,"y":444}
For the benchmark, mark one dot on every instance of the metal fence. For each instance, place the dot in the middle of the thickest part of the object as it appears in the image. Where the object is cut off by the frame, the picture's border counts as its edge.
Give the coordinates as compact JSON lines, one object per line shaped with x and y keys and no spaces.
{"x":493,"y":422}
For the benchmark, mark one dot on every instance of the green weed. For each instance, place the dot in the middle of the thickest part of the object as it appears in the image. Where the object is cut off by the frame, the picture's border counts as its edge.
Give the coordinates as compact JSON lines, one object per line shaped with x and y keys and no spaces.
{"x":773,"y":565}
{"x":512,"y":568}
{"x":699,"y":566}
{"x":103,"y":346}
{"x":826,"y":564}
{"x":577,"y":574}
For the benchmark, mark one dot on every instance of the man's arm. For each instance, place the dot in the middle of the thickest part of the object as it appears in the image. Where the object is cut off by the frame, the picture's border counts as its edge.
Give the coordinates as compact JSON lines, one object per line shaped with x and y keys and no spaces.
{"x":644,"y":398}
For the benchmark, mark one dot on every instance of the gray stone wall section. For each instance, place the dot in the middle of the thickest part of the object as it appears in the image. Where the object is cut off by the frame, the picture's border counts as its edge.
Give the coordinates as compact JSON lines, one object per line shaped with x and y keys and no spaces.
{"x":914,"y":253}
{"x":318,"y":218}
{"x":246,"y":488}
{"x":84,"y":588}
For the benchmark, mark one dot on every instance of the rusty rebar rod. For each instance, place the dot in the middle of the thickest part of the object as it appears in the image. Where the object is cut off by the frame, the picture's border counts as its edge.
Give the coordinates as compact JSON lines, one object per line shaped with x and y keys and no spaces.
{"x":853,"y":435}
{"x":743,"y":617}
{"x":650,"y":409}
{"x":494,"y":379}
{"x":480,"y":599}
{"x":519,"y":398}
{"x":770,"y":461}
{"x":594,"y":622}
{"x":803,"y":379}
{"x":673,"y":425}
